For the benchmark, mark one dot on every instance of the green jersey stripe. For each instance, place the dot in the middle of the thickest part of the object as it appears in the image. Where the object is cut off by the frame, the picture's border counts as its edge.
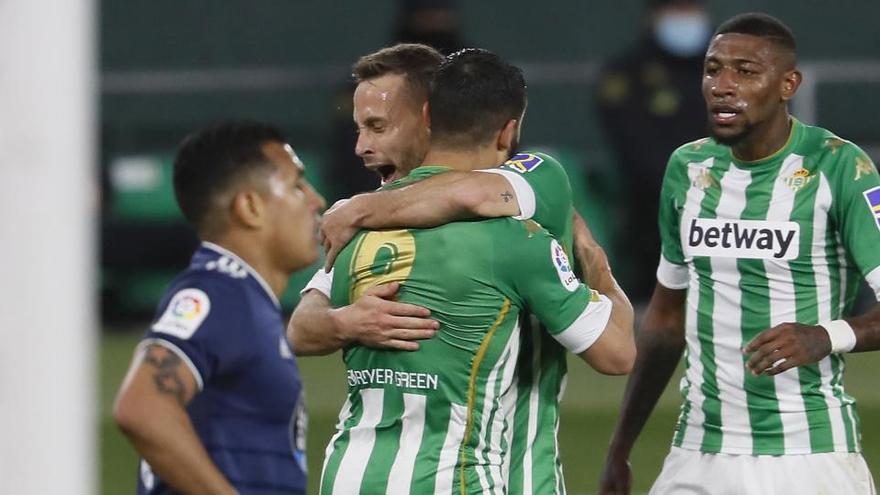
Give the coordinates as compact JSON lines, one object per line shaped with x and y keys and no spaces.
{"x":726,"y":338}
{"x":351,"y":470}
{"x":806,"y":297}
{"x":693,"y":436}
{"x":449,"y":452}
{"x":472,"y":393}
{"x":532,"y":426}
{"x":783,"y":309}
{"x":827,"y":305}
{"x":705,"y":325}
{"x":760,"y":390}
{"x":413,"y":420}
{"x":331,"y":450}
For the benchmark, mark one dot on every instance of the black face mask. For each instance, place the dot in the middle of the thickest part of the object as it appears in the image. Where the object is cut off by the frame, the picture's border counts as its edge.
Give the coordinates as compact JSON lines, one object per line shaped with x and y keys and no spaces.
{"x":445,"y":42}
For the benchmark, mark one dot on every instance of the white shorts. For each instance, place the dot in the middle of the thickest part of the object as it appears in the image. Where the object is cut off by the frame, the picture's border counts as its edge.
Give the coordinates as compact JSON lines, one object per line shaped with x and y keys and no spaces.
{"x":689,"y":472}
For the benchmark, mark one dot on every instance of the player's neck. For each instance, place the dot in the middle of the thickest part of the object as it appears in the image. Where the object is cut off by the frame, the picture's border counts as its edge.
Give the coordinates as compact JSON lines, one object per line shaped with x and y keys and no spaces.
{"x":767,"y":141}
{"x":458,"y":159}
{"x":256,"y":256}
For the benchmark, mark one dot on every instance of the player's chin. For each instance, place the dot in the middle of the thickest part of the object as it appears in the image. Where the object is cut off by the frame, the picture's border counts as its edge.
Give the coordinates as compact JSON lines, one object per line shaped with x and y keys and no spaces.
{"x":726,"y":135}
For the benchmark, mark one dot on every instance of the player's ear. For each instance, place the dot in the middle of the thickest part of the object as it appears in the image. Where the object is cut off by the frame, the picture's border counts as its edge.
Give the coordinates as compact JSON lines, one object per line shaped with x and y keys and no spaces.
{"x":248,"y":209}
{"x":426,"y":115}
{"x":507,"y":137}
{"x":791,"y":80}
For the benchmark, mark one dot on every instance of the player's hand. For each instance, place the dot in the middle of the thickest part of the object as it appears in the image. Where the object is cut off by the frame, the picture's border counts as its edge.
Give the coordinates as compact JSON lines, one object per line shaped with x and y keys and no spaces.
{"x":337,"y":228}
{"x":616,"y":477}
{"x":787,"y":346}
{"x":376,"y":320}
{"x":590,"y":254}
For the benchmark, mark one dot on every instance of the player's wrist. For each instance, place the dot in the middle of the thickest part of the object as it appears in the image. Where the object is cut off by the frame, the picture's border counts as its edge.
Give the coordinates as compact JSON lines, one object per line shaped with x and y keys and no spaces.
{"x":841,"y":334}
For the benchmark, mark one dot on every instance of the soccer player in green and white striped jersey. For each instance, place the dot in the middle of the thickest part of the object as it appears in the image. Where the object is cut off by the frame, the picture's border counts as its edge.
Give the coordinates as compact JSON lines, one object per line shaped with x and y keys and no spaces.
{"x":387,"y":107}
{"x":476,"y":277}
{"x":768,"y":227}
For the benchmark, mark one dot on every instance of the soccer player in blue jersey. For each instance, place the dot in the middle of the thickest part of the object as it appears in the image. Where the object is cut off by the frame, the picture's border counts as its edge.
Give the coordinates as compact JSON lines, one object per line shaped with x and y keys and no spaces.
{"x":213,"y":401}
{"x":768,"y":227}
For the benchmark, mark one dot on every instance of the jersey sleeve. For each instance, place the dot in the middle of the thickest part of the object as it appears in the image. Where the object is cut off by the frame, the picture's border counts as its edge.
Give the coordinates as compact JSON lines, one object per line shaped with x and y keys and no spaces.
{"x":204,"y":323}
{"x":550,"y":190}
{"x":672,"y":271}
{"x":321,"y":281}
{"x":856,"y":210}
{"x":544,"y":282}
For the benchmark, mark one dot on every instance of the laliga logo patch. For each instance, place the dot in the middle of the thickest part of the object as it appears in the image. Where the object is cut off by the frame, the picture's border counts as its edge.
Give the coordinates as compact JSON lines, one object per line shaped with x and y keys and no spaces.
{"x":186,"y":311}
{"x":524,"y":162}
{"x":563,"y":267}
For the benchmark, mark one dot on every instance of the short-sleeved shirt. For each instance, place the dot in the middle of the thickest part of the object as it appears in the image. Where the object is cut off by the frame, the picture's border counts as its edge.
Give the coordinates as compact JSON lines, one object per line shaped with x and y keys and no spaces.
{"x":544,"y":195}
{"x":756,"y":244}
{"x":223,"y":321}
{"x":442,"y":419}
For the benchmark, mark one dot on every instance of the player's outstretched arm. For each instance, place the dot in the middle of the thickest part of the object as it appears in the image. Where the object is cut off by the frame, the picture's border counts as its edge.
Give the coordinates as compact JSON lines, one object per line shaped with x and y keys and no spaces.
{"x":437,"y":200}
{"x":150,"y":410}
{"x":374,"y":320}
{"x":614,"y":351}
{"x":660,"y":345}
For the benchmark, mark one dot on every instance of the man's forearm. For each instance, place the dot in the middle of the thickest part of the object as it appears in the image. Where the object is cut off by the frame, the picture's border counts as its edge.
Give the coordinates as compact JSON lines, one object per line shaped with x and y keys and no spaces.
{"x":443,"y":198}
{"x":313,"y":329}
{"x":166,"y":439}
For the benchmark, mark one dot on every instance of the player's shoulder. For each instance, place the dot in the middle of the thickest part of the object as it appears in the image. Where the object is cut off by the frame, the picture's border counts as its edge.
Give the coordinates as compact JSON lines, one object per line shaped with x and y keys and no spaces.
{"x":699,"y":150}
{"x":837,"y":158}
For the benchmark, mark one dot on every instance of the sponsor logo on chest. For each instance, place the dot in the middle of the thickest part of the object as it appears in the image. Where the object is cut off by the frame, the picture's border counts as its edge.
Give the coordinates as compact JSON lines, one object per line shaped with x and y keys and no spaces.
{"x":755,"y":239}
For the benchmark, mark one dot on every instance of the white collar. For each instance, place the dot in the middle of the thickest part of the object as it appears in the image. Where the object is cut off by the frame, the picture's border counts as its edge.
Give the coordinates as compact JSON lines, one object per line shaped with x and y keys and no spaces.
{"x":246,"y":266}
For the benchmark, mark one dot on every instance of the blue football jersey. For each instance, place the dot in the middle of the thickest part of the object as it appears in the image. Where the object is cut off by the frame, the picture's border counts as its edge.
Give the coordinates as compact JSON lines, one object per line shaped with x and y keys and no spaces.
{"x":225,"y":323}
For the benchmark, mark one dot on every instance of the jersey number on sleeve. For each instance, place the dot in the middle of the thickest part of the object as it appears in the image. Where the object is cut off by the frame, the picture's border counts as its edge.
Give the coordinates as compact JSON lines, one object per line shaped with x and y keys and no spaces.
{"x":380,"y":258}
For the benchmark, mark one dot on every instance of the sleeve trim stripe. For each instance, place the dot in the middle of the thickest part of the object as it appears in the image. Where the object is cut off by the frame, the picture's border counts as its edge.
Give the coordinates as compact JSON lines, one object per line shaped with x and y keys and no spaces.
{"x":525,"y":195}
{"x":176,"y":350}
{"x":588,"y":327}
{"x":671,"y":275}
{"x":321,"y":281}
{"x":873,"y":279}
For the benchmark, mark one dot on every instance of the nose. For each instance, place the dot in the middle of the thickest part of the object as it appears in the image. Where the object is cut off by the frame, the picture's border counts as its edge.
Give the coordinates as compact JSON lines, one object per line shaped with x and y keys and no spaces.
{"x":723,"y":84}
{"x":364,"y":145}
{"x":315,"y":199}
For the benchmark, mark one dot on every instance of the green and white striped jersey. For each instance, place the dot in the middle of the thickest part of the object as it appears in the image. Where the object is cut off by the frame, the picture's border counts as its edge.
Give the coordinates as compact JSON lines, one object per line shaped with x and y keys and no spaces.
{"x":756,"y":244}
{"x":442,"y":419}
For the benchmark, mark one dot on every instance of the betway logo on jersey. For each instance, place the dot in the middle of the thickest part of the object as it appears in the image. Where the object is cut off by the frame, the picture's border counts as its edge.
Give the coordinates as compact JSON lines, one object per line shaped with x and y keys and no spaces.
{"x":741,"y":238}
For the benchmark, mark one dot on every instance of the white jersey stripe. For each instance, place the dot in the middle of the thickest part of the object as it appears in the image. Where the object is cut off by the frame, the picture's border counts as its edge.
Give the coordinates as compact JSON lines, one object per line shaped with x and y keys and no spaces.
{"x":449,"y":453}
{"x":730,"y":372}
{"x":693,"y":434}
{"x":783,"y":309}
{"x":413,"y":419}
{"x":826,"y":306}
{"x":360,"y":444}
{"x":344,"y":414}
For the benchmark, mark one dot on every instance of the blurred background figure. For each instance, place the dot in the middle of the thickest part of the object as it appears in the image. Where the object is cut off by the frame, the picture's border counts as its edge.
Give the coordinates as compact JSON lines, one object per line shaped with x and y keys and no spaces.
{"x":648,"y":101}
{"x":430,"y":22}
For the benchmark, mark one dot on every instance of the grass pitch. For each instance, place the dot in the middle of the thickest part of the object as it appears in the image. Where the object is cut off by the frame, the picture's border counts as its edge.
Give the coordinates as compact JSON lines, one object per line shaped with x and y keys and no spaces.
{"x":588,"y":414}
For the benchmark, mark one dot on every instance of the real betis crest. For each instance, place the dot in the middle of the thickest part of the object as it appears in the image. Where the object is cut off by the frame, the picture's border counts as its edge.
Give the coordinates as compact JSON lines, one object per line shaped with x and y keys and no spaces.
{"x":799,"y":179}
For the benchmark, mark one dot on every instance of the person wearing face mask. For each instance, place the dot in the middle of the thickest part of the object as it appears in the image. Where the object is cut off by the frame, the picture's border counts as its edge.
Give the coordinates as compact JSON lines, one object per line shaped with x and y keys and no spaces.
{"x":648,"y":102}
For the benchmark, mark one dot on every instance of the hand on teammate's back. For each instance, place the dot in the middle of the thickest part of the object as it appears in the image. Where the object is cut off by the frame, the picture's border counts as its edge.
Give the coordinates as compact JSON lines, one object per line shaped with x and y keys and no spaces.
{"x":383,"y":323}
{"x":787,"y":346}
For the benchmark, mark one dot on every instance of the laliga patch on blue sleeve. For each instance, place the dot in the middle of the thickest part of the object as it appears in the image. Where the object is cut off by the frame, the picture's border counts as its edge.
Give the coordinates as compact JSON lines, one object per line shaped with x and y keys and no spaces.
{"x":524,"y":162}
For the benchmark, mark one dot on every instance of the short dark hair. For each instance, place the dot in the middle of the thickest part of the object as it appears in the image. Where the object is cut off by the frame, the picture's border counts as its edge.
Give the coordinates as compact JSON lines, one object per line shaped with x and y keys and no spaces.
{"x":761,"y":25}
{"x":415,"y":61}
{"x":212,"y":159}
{"x":473,"y":95}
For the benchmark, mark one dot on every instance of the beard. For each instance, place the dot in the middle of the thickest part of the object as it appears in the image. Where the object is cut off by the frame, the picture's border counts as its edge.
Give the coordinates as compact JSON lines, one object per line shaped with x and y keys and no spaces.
{"x":730,"y":139}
